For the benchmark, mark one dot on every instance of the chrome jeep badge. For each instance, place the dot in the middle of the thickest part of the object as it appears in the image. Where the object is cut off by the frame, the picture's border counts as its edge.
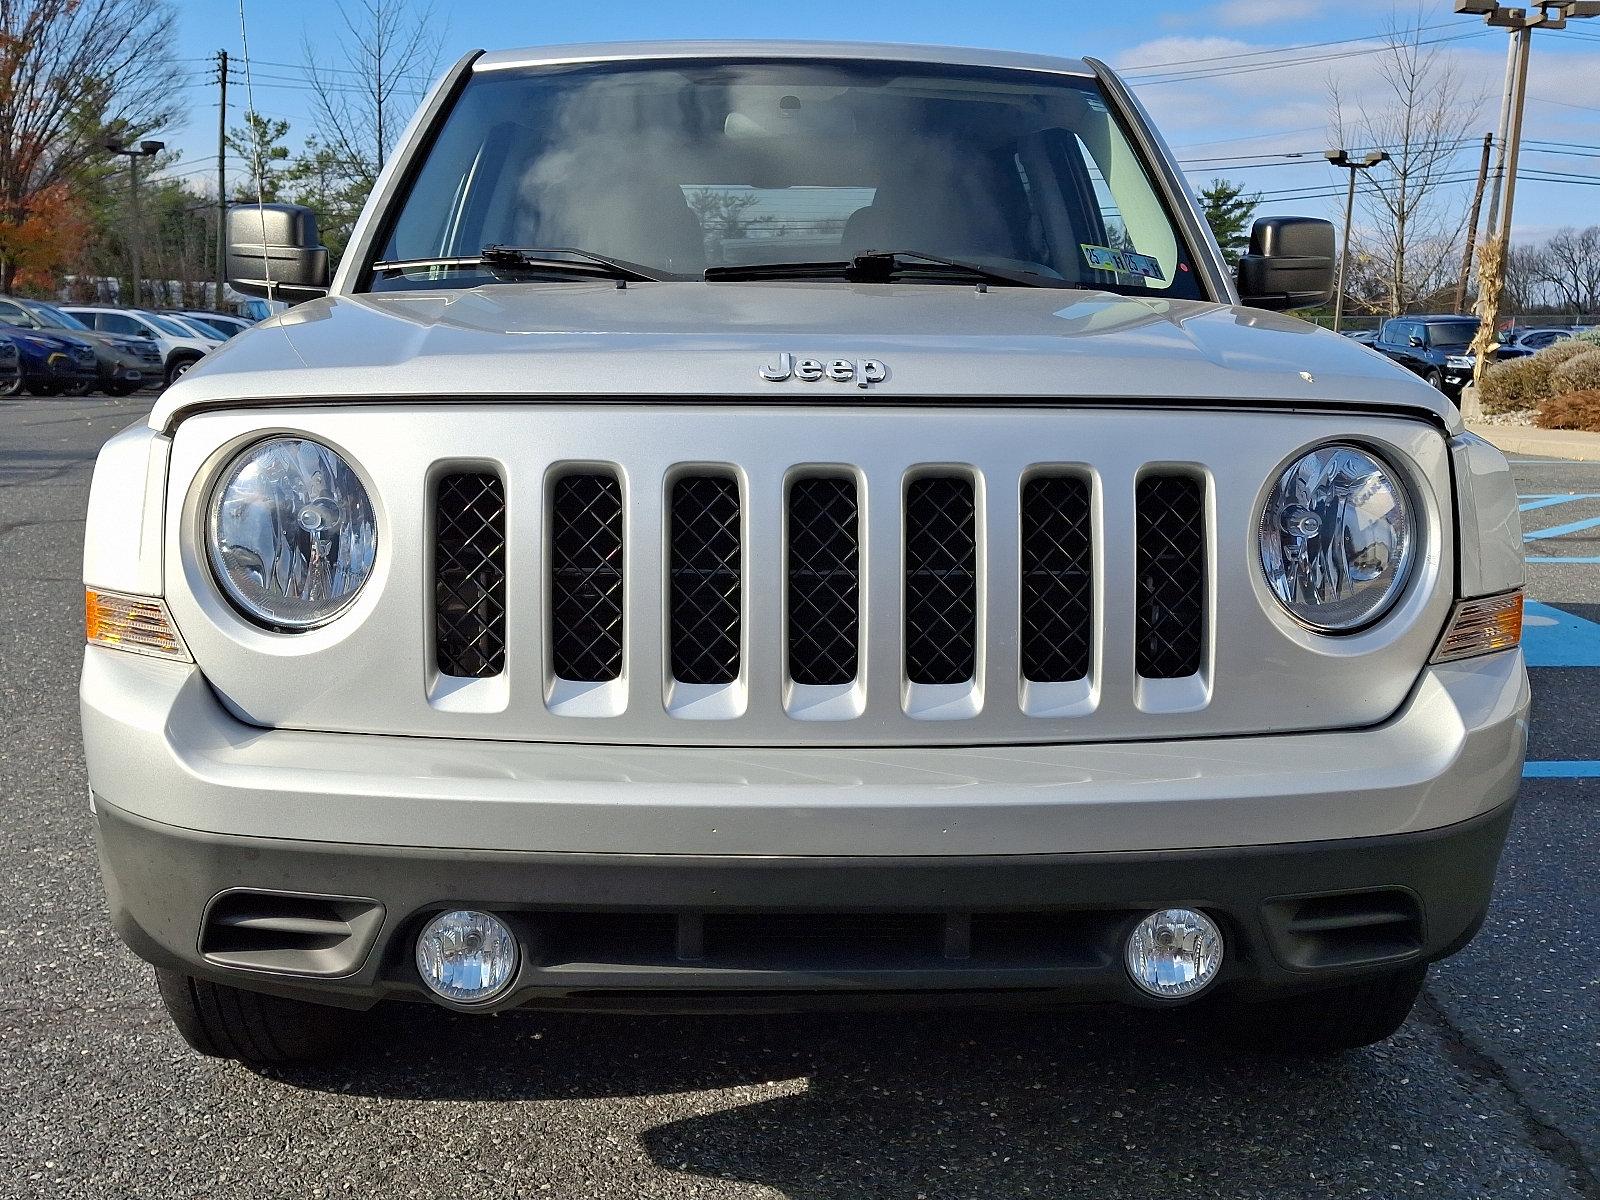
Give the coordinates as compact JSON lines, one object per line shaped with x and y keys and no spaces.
{"x":863,"y":372}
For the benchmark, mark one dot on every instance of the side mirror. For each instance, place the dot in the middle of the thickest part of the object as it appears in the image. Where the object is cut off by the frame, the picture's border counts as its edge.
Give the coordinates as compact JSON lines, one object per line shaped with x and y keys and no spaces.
{"x":1289,"y":264}
{"x":274,"y":251}
{"x":1414,"y":340}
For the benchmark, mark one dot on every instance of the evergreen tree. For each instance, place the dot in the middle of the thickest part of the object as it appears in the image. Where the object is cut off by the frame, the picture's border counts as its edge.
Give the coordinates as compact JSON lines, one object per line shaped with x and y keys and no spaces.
{"x":1228,"y":211}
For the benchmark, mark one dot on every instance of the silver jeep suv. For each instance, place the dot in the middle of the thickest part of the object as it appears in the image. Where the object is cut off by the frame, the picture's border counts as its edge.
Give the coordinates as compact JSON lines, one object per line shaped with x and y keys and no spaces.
{"x":789,"y":524}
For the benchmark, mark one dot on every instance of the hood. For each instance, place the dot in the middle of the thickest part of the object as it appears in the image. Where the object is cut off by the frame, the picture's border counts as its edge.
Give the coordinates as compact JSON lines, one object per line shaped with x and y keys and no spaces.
{"x":933,"y":341}
{"x":46,"y":339}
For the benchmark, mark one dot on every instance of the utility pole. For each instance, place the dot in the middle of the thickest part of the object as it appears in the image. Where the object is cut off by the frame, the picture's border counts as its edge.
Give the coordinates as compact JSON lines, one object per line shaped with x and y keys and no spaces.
{"x":1341,"y":158}
{"x":133,"y":154}
{"x":1472,"y":223}
{"x":1521,"y":22}
{"x":222,"y":175}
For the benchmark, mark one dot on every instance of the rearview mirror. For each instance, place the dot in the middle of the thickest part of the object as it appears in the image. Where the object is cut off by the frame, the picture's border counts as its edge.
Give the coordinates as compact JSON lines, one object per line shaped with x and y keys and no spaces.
{"x":274,"y":251}
{"x":1289,"y":264}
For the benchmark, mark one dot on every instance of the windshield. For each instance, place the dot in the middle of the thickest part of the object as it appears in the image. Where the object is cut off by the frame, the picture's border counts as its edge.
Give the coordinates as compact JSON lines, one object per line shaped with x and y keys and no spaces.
{"x":166,"y":326}
{"x":50,"y":315}
{"x":697,"y":164}
{"x":1452,"y":335}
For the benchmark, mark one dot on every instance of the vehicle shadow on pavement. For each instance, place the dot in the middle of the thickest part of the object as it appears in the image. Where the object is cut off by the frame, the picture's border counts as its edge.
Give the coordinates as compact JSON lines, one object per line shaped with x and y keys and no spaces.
{"x":936,"y":1104}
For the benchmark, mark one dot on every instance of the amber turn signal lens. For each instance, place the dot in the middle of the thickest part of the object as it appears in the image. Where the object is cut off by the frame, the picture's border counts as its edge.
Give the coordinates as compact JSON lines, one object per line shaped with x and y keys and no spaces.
{"x":139,"y":624}
{"x":1482,"y":627}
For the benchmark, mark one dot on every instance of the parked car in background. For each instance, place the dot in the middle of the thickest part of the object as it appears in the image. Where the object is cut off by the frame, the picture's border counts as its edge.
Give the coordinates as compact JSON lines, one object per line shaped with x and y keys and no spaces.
{"x":1364,"y":336}
{"x":1436,"y":348}
{"x":254,"y":310}
{"x":123,"y":364}
{"x":195,"y":326}
{"x":222,"y":323}
{"x":180,"y":347}
{"x":52,"y":363}
{"x":1537,"y":339}
{"x":10,"y":368}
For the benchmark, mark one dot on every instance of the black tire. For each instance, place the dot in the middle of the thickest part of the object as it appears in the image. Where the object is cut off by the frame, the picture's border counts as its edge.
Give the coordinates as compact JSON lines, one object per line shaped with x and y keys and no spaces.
{"x":177,"y":367}
{"x":82,"y":388}
{"x":227,"y":1022}
{"x":121,"y":389}
{"x":45,"y":389}
{"x":1435,"y":380}
{"x":13,"y":387}
{"x":1329,"y":1021}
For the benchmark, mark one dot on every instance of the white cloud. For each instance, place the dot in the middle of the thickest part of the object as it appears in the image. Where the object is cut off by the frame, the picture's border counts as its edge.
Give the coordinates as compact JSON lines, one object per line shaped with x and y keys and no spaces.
{"x":1243,"y":13}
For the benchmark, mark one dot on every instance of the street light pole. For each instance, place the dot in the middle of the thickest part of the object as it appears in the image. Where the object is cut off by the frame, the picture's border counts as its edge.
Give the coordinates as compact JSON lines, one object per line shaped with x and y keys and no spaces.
{"x":1341,"y":158}
{"x":133,"y":154}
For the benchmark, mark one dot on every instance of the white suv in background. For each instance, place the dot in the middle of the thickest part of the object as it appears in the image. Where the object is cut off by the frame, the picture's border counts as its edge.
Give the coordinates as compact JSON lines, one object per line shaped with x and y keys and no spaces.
{"x":180,"y":347}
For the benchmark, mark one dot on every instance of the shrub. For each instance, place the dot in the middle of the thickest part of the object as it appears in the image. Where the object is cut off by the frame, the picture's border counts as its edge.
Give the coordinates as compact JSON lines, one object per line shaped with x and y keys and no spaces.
{"x":1575,"y":410}
{"x":1515,"y":385}
{"x":1558,"y":352}
{"x":1588,"y":336}
{"x":1581,"y":373}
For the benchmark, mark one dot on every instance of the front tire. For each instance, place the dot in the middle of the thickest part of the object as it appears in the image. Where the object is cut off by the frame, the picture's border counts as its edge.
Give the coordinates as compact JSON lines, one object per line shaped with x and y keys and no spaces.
{"x":1435,"y":380}
{"x":228,"y":1022}
{"x":45,"y":389}
{"x":1329,"y":1021}
{"x":13,"y":387}
{"x":177,"y":368}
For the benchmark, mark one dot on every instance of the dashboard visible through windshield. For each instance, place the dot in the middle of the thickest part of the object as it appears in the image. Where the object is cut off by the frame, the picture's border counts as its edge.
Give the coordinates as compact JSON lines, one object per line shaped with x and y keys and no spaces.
{"x":683,"y":166}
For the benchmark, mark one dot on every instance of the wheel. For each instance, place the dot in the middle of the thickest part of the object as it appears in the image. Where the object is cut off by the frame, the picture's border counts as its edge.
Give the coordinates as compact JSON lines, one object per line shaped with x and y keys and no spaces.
{"x":178,"y":367}
{"x":45,"y":389}
{"x":1328,"y":1021}
{"x":1435,"y":379}
{"x":13,"y":387}
{"x":121,"y":389}
{"x":82,"y":388}
{"x":227,"y":1022}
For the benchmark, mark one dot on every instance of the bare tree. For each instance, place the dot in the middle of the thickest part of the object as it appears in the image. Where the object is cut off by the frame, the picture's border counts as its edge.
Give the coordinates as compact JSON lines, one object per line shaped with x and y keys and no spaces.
{"x":1412,"y":219}
{"x":388,"y":52}
{"x":72,"y":74}
{"x":1570,"y":264}
{"x":1527,"y":268}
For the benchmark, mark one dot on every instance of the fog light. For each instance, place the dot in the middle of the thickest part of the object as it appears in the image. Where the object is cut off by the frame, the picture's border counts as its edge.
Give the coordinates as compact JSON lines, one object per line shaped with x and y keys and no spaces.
{"x":466,"y":956}
{"x":1174,"y":953}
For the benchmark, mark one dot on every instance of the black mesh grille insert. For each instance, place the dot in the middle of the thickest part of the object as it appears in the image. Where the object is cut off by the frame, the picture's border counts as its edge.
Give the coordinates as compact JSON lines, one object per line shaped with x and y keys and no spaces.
{"x":824,"y":581}
{"x":469,"y":589}
{"x":705,"y":579}
{"x":1057,"y":585}
{"x":941,"y":556}
{"x":586,"y":577}
{"x":1171,"y":576}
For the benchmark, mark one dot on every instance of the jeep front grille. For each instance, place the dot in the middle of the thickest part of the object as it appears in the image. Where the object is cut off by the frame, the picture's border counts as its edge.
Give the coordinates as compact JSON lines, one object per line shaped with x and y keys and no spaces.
{"x":1171,"y":576}
{"x":706,"y":592}
{"x":469,"y":576}
{"x":1057,"y":579}
{"x":941,"y":556}
{"x":586,"y":612}
{"x":824,"y":581}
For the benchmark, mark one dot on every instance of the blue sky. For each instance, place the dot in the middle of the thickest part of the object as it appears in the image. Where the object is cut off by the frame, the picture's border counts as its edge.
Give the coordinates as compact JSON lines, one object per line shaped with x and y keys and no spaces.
{"x":1251,"y":106}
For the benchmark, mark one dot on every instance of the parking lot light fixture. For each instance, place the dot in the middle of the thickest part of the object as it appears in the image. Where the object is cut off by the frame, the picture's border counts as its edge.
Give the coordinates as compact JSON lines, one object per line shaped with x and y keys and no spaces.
{"x":145,"y":149}
{"x":1341,"y":158}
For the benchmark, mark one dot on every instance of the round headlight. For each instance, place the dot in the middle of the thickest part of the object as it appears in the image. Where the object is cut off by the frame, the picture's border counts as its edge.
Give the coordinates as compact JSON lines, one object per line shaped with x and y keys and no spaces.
{"x":1336,"y":538}
{"x":291,"y":533}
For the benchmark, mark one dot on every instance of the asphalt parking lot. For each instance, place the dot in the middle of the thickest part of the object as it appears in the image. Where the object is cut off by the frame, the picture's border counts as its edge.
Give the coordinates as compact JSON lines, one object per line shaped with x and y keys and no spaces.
{"x":1492,"y":1089}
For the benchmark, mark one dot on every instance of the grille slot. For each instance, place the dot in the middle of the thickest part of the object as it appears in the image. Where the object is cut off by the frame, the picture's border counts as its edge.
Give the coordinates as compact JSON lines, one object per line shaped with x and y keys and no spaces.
{"x":1057,"y":579}
{"x":824,"y":580}
{"x":586,"y":577}
{"x":1171,"y":576}
{"x":705,"y":563}
{"x":469,"y":599}
{"x":941,"y":581}
{"x":1345,"y":929}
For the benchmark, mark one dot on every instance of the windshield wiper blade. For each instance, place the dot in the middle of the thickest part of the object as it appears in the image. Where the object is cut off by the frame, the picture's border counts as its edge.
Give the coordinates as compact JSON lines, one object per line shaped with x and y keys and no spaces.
{"x":881,"y":266}
{"x":518,"y":260}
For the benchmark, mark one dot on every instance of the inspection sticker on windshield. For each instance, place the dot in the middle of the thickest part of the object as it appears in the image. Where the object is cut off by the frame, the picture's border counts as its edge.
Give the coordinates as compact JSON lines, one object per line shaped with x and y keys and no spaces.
{"x":1124,"y":262}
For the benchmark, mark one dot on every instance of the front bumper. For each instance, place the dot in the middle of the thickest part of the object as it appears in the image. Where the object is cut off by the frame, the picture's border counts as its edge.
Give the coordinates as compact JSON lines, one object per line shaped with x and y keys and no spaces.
{"x":792,"y":870}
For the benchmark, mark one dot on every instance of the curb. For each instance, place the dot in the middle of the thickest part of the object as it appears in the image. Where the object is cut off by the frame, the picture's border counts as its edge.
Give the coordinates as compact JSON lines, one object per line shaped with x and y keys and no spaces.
{"x":1545,"y":443}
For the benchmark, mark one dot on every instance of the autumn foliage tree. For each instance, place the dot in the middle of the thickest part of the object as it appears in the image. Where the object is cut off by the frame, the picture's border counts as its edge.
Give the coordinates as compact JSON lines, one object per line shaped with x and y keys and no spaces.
{"x":73,"y":73}
{"x":46,"y":235}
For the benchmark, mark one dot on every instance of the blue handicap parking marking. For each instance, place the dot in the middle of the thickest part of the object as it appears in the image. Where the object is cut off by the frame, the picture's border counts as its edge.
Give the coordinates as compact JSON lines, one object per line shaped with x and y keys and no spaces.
{"x":1552,"y":637}
{"x":1561,"y":530}
{"x":1558,"y":769}
{"x":1591,"y":560}
{"x":1551,"y":500}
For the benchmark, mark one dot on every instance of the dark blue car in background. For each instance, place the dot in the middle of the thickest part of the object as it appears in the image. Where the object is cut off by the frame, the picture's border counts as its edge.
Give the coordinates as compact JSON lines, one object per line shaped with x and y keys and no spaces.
{"x":51,"y":364}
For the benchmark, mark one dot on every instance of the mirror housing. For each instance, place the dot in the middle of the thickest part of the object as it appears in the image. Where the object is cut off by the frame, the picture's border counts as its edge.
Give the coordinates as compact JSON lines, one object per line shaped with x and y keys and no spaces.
{"x":1414,"y":340}
{"x":274,"y":251}
{"x":1290,"y":263}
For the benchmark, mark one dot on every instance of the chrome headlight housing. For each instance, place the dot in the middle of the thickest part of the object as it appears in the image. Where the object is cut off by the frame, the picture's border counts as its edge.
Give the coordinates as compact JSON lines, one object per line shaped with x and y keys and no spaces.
{"x":1337,"y":538}
{"x":291,"y":534}
{"x":1459,"y":362}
